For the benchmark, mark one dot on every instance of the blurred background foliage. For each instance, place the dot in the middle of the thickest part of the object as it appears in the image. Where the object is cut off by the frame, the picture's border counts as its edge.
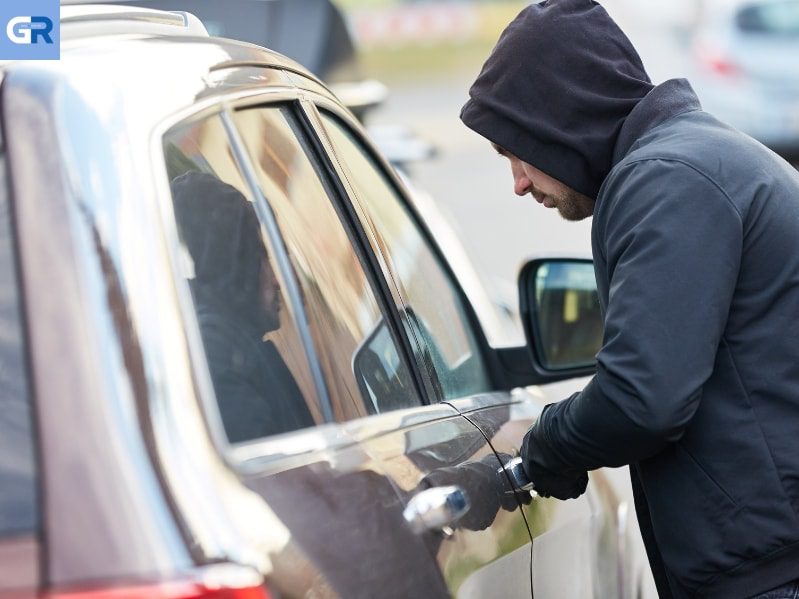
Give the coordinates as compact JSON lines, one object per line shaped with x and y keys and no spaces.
{"x":404,"y":40}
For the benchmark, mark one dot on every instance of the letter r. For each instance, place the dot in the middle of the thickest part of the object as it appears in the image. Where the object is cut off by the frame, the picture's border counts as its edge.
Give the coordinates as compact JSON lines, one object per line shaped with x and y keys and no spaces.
{"x":41,"y":27}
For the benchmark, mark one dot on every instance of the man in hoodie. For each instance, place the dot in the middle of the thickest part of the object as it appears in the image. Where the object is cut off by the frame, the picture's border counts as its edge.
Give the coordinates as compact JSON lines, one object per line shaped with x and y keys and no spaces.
{"x":696,"y":251}
{"x":238,"y":301}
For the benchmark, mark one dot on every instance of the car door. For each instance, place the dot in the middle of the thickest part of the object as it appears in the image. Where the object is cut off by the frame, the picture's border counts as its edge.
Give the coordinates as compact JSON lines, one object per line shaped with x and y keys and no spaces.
{"x":574,"y":552}
{"x":337,"y":356}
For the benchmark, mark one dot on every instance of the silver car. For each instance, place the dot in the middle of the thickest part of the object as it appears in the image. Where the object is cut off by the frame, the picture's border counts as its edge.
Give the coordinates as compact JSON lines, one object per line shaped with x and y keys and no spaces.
{"x":745,"y":69}
{"x":235,"y":363}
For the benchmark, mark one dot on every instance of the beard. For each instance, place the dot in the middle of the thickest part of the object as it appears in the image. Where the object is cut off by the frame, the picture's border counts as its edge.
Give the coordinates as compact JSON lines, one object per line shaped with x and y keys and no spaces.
{"x":574,"y":206}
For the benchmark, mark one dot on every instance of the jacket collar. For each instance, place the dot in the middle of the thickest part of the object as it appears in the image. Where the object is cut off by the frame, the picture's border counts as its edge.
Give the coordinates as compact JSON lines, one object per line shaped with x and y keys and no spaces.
{"x":667,"y":100}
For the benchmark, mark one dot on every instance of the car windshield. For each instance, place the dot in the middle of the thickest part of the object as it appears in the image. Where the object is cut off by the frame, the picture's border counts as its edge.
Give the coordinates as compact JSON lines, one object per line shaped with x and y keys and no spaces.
{"x":774,"y":18}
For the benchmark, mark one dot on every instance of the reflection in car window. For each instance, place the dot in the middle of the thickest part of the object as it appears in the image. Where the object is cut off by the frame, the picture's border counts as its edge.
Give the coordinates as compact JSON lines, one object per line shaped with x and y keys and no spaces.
{"x":256,"y":360}
{"x":434,"y":315}
{"x":18,"y":502}
{"x":569,"y":314}
{"x":359,"y":357}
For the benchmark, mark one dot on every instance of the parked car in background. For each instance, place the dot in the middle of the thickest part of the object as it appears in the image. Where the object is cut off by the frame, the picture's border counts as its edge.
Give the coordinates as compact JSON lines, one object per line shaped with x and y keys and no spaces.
{"x":746,"y":72}
{"x":236,"y":364}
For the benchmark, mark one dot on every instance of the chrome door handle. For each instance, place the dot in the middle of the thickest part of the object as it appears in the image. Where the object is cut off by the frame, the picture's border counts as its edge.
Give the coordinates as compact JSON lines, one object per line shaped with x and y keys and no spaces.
{"x":518,"y":476}
{"x":436,"y":508}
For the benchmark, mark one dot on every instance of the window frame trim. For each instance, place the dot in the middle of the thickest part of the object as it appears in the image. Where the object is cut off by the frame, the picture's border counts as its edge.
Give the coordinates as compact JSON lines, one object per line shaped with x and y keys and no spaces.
{"x":302,"y":108}
{"x":369,"y":259}
{"x":488,"y":356}
{"x":242,"y":458}
{"x":293,"y":100}
{"x":199,"y":370}
{"x":268,"y":221}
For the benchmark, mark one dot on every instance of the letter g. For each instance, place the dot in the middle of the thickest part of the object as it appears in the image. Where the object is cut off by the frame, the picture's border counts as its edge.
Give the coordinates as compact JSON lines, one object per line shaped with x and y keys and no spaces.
{"x":18,"y":30}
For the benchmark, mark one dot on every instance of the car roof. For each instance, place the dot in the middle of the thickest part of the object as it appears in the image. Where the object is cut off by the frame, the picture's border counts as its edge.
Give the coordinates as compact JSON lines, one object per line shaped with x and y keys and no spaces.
{"x":145,"y":65}
{"x":85,"y":20}
{"x":127,"y":36}
{"x":104,"y":106}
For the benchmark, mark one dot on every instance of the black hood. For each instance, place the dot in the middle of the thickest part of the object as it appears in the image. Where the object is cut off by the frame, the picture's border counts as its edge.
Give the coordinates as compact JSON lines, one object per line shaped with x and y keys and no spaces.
{"x":556,"y":90}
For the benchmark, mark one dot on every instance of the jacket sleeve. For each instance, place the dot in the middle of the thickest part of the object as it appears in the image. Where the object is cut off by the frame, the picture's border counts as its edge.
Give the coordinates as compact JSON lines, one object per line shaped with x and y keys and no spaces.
{"x":244,"y":409}
{"x":672,"y":241}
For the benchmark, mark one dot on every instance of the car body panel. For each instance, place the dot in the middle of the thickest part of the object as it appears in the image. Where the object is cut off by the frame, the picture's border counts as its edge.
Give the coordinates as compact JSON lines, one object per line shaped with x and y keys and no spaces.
{"x":445,"y":452}
{"x":328,"y":498}
{"x":63,"y":295}
{"x":568,"y":536}
{"x":19,"y":566}
{"x":346,"y":536}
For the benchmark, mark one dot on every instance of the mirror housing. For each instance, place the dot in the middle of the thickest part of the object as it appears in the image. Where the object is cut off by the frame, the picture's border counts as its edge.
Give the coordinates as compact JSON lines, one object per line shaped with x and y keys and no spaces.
{"x":560,"y":312}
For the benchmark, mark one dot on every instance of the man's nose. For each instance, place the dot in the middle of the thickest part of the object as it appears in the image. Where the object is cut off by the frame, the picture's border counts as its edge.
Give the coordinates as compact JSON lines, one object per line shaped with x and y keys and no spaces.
{"x":521,"y":184}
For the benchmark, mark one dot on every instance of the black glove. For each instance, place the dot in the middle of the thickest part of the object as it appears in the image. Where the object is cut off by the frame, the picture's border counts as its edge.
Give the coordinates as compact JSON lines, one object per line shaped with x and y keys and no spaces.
{"x":561,"y":484}
{"x":485,"y":483}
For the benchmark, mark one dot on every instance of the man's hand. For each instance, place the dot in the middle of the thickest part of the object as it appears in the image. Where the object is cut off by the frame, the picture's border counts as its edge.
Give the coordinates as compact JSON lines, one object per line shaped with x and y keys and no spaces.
{"x":548,"y":483}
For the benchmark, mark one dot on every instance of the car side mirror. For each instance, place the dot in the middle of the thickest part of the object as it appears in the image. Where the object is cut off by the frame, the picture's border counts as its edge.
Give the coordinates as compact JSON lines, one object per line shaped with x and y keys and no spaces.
{"x":560,"y":312}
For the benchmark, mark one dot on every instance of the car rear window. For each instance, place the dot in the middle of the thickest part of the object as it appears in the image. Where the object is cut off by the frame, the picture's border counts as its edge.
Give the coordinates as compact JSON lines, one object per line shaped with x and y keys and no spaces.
{"x":18,"y":513}
{"x":775,"y":18}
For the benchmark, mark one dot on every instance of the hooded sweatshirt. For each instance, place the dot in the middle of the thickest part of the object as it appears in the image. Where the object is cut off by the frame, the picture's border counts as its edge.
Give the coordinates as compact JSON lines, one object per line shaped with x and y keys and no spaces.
{"x":695,"y":239}
{"x":556,"y":90}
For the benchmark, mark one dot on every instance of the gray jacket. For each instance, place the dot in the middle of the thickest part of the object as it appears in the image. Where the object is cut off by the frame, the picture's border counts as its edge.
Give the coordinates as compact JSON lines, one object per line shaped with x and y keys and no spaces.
{"x":696,"y":248}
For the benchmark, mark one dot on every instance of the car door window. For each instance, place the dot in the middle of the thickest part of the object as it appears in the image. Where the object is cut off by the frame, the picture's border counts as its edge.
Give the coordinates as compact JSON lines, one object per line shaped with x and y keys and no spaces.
{"x":435,"y":317}
{"x":359,"y":357}
{"x":255,"y":356}
{"x":18,"y":493}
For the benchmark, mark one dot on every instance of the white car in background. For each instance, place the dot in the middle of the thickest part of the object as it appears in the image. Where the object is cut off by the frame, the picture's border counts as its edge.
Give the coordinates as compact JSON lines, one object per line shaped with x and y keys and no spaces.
{"x":745,"y":69}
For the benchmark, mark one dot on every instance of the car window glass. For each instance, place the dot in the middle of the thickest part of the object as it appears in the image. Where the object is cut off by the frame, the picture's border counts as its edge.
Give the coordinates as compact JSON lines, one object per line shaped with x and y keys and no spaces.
{"x":434,"y":314}
{"x":358,"y":355}
{"x":18,"y":501}
{"x":255,"y":356}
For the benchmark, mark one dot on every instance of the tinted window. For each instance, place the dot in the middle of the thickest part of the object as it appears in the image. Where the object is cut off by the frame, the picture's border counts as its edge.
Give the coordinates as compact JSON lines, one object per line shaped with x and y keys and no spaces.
{"x":357,"y":352}
{"x":255,"y":356}
{"x":17,"y":463}
{"x":434,"y":315}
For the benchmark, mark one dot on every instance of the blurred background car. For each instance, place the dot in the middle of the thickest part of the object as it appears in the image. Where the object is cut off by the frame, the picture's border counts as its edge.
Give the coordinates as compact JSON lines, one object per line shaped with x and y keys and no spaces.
{"x":745,"y":69}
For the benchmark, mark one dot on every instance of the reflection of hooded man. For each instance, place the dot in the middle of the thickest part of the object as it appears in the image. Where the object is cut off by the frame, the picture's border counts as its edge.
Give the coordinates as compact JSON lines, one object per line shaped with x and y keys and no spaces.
{"x":237,"y":298}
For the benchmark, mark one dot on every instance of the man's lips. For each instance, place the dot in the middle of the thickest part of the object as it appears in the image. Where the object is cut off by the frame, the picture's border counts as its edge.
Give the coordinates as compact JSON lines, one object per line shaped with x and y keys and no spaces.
{"x":547,"y":201}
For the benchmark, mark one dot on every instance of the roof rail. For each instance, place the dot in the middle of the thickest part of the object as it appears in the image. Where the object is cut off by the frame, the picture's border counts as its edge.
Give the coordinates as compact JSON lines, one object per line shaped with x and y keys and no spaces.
{"x":87,"y":20}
